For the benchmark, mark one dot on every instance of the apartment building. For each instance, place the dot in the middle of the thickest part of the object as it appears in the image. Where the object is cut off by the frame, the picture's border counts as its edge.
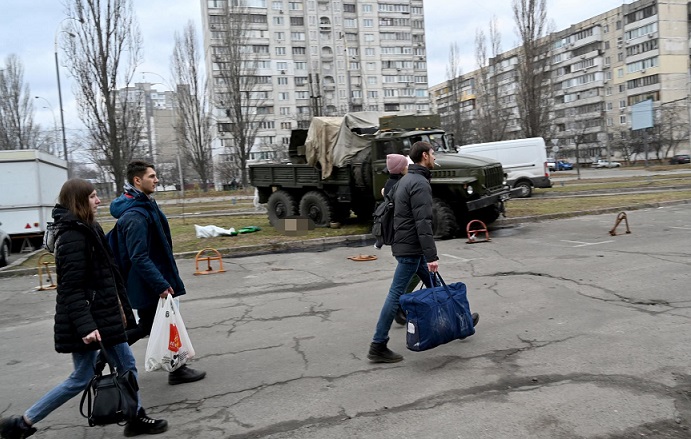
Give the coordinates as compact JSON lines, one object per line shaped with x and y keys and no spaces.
{"x":323,"y":58}
{"x":599,"y":69}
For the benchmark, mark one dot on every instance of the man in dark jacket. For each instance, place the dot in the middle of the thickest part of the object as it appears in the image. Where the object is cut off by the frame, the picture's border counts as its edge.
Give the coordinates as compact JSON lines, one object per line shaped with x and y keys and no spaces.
{"x":146,"y":250}
{"x":413,"y":245}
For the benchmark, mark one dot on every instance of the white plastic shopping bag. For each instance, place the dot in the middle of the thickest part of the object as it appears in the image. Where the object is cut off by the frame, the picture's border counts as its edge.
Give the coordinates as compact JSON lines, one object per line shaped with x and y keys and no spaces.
{"x":169,"y":345}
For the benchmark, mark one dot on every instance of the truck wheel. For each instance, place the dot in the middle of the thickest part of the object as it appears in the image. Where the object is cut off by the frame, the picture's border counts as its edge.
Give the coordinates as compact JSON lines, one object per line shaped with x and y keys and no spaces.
{"x":4,"y":254}
{"x":315,"y":205}
{"x":526,"y":188}
{"x":444,"y":224}
{"x":280,"y":205}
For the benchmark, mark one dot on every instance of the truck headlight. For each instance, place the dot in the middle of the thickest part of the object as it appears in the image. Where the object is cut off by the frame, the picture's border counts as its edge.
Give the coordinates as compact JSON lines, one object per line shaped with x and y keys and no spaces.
{"x":469,"y":189}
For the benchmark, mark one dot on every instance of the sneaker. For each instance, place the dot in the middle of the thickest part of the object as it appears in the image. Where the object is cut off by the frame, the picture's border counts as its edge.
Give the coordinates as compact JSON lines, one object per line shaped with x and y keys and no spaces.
{"x":400,"y":316}
{"x":379,"y":353}
{"x":143,"y":424}
{"x":14,"y":427}
{"x":185,"y":375}
{"x":476,"y":318}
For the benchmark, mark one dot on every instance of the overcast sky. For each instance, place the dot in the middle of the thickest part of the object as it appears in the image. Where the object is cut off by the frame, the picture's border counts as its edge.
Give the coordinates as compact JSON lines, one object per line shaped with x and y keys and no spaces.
{"x":28,"y":30}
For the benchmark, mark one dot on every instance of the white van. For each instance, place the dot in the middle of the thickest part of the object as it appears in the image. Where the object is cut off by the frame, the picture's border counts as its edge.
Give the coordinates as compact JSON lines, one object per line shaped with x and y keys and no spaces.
{"x":524,"y":161}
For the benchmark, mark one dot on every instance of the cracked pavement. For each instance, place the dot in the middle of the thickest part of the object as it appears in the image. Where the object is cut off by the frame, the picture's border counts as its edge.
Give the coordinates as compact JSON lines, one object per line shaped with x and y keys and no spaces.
{"x":582,"y":335}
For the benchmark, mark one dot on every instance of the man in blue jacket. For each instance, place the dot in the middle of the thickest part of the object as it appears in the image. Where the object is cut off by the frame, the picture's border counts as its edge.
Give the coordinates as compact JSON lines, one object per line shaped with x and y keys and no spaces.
{"x":145,"y":249}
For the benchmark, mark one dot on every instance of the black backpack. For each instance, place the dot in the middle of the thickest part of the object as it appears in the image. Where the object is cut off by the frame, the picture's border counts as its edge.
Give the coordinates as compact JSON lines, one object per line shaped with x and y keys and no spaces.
{"x":382,"y":227}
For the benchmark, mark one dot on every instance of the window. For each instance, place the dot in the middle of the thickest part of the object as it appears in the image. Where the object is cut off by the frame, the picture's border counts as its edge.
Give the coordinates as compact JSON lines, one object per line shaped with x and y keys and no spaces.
{"x":369,"y":51}
{"x":280,"y":50}
{"x":642,"y":65}
{"x":368,"y":22}
{"x":297,"y":21}
{"x":620,"y":73}
{"x":264,"y":50}
{"x":300,"y":65}
{"x":295,"y":6}
{"x":283,"y":96}
{"x":302,"y":95}
{"x":371,"y":66}
{"x":366,"y":8}
{"x":282,"y":80}
{"x":299,"y":51}
{"x":369,"y":38}
{"x":285,"y":111}
{"x":300,"y":80}
{"x":620,"y":56}
{"x":349,"y":22}
{"x":276,"y":5}
{"x":280,"y":36}
{"x":297,"y":36}
{"x":622,"y":104}
{"x":282,"y":65}
{"x":372,"y":80}
{"x":278,"y":21}
{"x":622,"y":120}
{"x":372,"y":94}
{"x":348,"y":7}
{"x":286,"y":125}
{"x":354,"y":65}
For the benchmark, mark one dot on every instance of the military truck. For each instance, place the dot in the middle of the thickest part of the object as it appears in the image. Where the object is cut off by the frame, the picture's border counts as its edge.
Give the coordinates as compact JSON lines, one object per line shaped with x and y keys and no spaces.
{"x":338,"y":165}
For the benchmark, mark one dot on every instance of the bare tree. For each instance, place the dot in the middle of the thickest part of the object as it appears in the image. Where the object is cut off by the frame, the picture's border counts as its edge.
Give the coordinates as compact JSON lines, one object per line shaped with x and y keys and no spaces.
{"x":533,"y":98}
{"x":672,"y":127}
{"x":17,"y":128}
{"x":237,"y":61}
{"x":456,"y":120}
{"x":193,"y":125}
{"x":102,"y":54}
{"x":492,"y":116}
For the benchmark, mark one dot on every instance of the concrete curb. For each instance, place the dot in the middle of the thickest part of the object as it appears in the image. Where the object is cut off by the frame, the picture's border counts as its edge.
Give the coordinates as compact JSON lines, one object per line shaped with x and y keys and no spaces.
{"x":322,"y":244}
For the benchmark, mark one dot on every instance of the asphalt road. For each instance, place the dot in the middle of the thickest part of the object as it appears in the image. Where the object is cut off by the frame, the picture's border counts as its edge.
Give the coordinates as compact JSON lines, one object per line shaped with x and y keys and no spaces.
{"x":582,"y":335}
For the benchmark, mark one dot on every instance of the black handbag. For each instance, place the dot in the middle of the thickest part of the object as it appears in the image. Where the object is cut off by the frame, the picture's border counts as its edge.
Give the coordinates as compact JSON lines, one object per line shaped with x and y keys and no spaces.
{"x":111,"y":398}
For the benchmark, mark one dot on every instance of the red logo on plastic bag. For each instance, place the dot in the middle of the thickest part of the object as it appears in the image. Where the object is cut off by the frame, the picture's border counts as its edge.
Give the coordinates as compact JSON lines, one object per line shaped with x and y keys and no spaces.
{"x":174,"y":343}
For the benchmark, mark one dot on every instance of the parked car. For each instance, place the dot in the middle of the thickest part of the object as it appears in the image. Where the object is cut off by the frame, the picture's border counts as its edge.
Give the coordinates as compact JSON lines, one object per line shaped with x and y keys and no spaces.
{"x":551,"y":164}
{"x":680,"y":159}
{"x":563,"y":165}
{"x":606,"y":164}
{"x":5,"y":246}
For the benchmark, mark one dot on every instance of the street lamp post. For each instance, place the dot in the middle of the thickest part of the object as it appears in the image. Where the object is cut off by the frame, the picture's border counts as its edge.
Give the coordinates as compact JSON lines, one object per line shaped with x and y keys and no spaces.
{"x":55,"y":123}
{"x":57,"y":74}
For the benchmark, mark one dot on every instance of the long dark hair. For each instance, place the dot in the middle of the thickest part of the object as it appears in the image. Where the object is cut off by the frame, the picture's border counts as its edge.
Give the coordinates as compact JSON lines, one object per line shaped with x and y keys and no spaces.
{"x":74,"y":196}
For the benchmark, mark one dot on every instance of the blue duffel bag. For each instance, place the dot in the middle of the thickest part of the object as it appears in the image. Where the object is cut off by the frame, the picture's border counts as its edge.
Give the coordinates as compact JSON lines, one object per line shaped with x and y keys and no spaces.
{"x":437,"y":315}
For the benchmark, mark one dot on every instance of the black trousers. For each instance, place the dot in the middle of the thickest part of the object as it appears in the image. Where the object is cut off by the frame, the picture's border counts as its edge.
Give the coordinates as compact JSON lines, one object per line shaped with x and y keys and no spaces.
{"x":143,"y":328}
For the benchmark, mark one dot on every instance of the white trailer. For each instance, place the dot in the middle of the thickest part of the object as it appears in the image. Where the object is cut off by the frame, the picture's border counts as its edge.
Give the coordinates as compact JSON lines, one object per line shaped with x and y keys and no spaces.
{"x":30,"y":181}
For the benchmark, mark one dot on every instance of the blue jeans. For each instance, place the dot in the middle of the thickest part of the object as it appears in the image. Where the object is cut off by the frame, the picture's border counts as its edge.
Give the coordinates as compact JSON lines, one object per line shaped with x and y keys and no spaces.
{"x":74,"y":385}
{"x":406,"y":268}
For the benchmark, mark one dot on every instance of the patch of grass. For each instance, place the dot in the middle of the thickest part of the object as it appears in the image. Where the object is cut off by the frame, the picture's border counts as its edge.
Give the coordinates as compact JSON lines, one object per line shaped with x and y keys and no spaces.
{"x":521,"y":207}
{"x":185,"y":240}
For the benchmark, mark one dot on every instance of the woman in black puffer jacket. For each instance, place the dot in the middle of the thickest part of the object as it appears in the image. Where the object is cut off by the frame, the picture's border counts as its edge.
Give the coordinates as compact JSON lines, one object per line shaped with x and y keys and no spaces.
{"x":91,"y":306}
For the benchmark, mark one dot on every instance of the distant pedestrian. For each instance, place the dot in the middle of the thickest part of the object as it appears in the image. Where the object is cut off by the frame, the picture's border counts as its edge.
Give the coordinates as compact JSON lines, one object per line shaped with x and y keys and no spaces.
{"x":91,"y":306}
{"x":146,"y":250}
